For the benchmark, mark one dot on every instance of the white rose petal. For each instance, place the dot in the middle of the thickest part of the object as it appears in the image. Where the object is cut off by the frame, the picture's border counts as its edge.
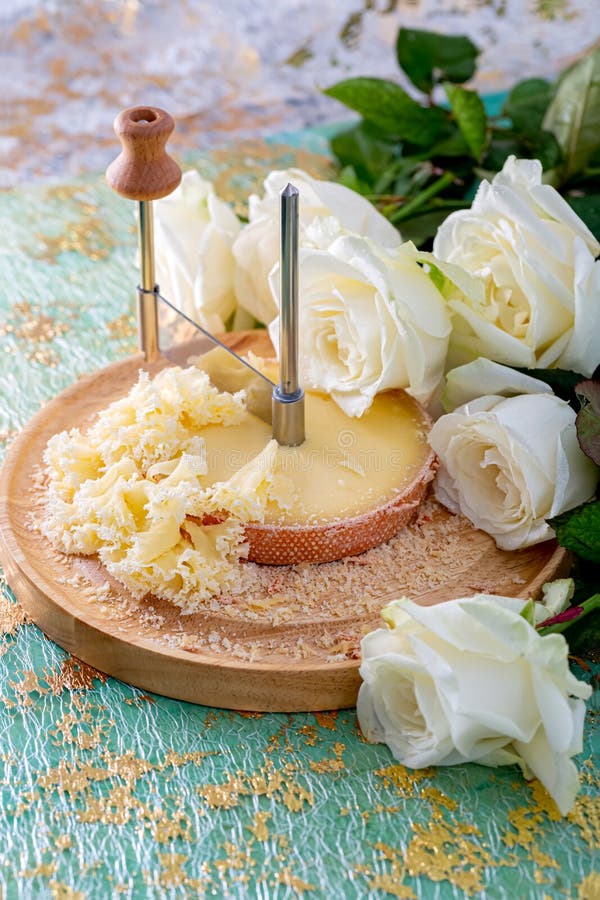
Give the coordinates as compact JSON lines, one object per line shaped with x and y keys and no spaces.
{"x":370,"y":320}
{"x":326,"y":210}
{"x":535,"y":258}
{"x":195,"y":231}
{"x":510,"y":464}
{"x":483,"y":377}
{"x":470,"y":680}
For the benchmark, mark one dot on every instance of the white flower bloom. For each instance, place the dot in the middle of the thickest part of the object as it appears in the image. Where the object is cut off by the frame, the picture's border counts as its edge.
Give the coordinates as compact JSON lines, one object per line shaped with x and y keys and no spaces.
{"x":326,"y":210}
{"x":470,"y":680}
{"x":194,"y":263}
{"x":535,"y":258}
{"x":508,"y":464}
{"x":370,"y":320}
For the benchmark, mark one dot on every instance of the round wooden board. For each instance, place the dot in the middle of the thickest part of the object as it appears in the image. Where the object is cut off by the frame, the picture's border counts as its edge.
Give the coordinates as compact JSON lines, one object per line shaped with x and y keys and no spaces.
{"x":302,"y":656}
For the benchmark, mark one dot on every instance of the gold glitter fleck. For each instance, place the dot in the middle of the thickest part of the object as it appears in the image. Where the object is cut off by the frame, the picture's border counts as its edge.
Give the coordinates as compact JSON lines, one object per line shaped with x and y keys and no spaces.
{"x":235,"y":858}
{"x":172,"y":874}
{"x":41,"y":329}
{"x":74,"y":675}
{"x":114,"y":809}
{"x":297,"y":884}
{"x":63,"y":842}
{"x":168,"y":829}
{"x":62,"y":192}
{"x":310,"y":734}
{"x":12,"y":615}
{"x":89,"y":237}
{"x":61,"y":891}
{"x":72,"y":777}
{"x":122,"y":327}
{"x":403,"y":779}
{"x":442,"y":851}
{"x":327,"y":719}
{"x":391,"y":882}
{"x":224,"y":796}
{"x":259,"y":827}
{"x":47,"y":357}
{"x":44,"y":869}
{"x":29,"y":685}
{"x":279,"y":785}
{"x":127,"y":765}
{"x":589,"y":888}
{"x":330,"y":765}
{"x":173,"y":758}
{"x":586,"y":815}
{"x":139,"y":699}
{"x":86,"y":740}
{"x":26,"y":802}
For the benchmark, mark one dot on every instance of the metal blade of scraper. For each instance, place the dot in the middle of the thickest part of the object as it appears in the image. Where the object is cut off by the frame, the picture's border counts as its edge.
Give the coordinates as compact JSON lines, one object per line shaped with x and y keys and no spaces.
{"x":185,"y":342}
{"x":178,"y":328}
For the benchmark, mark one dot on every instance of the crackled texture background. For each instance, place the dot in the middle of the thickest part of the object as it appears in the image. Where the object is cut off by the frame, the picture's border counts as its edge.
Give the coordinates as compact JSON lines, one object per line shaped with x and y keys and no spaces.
{"x":106,"y":791}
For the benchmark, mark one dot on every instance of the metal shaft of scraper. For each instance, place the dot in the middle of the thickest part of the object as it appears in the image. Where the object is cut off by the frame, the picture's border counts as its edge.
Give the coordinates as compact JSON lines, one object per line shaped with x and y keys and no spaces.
{"x":147,"y":311}
{"x":288,"y":396}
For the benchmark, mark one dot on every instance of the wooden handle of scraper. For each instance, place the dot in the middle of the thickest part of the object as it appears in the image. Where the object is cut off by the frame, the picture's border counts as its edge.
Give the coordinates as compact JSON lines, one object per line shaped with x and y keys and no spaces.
{"x":143,"y":170}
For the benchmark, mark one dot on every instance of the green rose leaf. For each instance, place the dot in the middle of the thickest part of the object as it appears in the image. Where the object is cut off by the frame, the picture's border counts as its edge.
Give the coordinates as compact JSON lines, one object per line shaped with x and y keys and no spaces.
{"x":574,"y":113}
{"x":469,"y":112}
{"x":428,"y":57}
{"x":588,"y":209}
{"x":562,"y":381}
{"x":389,"y":108}
{"x":588,"y":418}
{"x":527,"y":103}
{"x":364,"y":151}
{"x":579,"y":530}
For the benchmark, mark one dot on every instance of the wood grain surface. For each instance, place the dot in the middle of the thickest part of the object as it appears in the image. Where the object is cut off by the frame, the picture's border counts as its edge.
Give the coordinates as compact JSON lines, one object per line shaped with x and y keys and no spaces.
{"x":149,"y":644}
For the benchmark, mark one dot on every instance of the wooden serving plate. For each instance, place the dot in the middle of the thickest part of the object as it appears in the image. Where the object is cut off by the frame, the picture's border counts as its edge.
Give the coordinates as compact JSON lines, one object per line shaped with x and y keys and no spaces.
{"x":286,"y":638}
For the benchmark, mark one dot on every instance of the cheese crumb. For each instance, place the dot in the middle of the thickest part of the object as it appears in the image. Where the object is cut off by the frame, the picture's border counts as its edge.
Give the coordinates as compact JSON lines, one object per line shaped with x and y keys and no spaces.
{"x":131,"y":489}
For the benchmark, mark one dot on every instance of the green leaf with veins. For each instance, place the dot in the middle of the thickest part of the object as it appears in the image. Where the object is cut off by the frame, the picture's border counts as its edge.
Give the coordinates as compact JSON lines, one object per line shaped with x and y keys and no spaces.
{"x":579,"y":530}
{"x":428,"y":57}
{"x":527,"y":103}
{"x":574,"y":114}
{"x":387,"y":106}
{"x":469,"y":112}
{"x":360,"y":148}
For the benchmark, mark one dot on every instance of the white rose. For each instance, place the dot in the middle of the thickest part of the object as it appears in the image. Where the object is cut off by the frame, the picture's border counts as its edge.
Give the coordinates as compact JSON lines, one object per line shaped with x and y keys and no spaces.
{"x":535,"y":258}
{"x":370,"y":320}
{"x":326,"y":209}
{"x":194,"y":263}
{"x":470,"y":680}
{"x":508,"y":464}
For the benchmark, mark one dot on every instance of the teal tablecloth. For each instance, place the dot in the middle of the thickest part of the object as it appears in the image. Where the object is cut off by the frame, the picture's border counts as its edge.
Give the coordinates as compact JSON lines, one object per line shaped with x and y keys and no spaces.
{"x":107,"y":792}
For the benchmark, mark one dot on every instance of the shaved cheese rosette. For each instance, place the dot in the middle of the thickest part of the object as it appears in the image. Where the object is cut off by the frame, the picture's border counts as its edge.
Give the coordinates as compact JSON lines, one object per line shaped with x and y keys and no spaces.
{"x":134,"y":488}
